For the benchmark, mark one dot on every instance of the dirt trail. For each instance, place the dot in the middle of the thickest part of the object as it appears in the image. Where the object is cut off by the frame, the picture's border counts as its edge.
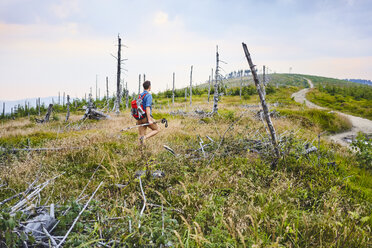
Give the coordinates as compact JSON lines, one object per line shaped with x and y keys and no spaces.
{"x":359,"y":124}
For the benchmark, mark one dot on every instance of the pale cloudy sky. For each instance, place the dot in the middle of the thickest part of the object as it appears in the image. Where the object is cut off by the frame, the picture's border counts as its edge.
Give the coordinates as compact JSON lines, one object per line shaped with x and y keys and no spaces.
{"x":48,"y":46}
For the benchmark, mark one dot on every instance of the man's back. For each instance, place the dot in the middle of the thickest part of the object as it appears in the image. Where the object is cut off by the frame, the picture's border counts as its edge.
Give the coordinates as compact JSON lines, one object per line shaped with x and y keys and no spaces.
{"x":147,"y":100}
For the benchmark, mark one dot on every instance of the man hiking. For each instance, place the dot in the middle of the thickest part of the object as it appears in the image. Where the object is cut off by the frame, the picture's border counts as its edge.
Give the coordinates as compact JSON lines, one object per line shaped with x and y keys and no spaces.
{"x":147,"y":106}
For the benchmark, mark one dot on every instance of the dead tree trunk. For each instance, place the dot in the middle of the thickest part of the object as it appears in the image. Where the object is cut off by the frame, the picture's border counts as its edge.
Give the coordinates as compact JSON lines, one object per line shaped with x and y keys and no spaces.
{"x":121,"y":90}
{"x":263,"y":102}
{"x":185,"y":94}
{"x":126,"y":95}
{"x":59,"y":98}
{"x":173,"y":89}
{"x":39,"y":106}
{"x":263,"y":81}
{"x":191,"y":86}
{"x":49,"y":112}
{"x":144,"y":77}
{"x":118,"y":77}
{"x":3,"y":109}
{"x":215,"y":96}
{"x":68,"y":108}
{"x":241,"y":84}
{"x":209,"y":86}
{"x":210,"y":81}
{"x":139,"y":84}
{"x":96,"y":87}
{"x":47,"y":115}
{"x":107,"y":96}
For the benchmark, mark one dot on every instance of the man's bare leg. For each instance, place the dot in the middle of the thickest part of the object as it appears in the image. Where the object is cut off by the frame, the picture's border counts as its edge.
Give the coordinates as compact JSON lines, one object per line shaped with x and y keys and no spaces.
{"x":141,"y":131}
{"x":155,"y":130}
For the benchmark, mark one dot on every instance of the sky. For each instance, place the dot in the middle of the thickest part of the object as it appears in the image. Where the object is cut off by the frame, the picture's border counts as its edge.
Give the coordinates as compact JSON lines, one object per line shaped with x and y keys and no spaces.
{"x":51,"y":46}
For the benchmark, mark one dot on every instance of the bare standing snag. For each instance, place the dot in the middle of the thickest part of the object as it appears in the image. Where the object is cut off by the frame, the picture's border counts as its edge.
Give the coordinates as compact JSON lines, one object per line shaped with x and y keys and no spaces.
{"x":263,"y":102}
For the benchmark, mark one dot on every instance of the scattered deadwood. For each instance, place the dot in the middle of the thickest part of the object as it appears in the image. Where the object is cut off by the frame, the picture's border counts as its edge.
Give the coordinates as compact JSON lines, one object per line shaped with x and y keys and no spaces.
{"x":92,"y":113}
{"x":47,"y":115}
{"x":199,"y":113}
{"x":40,"y":220}
{"x":77,"y":218}
{"x":263,"y":103}
{"x":41,"y":149}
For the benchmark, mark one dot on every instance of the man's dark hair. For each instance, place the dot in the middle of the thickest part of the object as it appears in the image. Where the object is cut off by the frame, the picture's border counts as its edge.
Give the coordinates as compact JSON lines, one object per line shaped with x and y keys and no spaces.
{"x":146,"y":85}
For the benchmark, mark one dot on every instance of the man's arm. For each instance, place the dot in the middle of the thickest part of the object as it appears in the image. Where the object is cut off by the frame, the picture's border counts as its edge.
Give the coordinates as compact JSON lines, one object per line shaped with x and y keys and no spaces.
{"x":148,"y":104}
{"x":148,"y":115}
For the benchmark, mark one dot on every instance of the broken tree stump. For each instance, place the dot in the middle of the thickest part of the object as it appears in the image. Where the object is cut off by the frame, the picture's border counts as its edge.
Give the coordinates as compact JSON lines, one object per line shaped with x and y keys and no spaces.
{"x":47,"y":115}
{"x":92,"y":113}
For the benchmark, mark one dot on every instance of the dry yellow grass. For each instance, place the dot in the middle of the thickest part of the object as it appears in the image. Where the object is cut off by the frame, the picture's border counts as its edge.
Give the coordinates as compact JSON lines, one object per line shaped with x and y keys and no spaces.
{"x":96,"y":132}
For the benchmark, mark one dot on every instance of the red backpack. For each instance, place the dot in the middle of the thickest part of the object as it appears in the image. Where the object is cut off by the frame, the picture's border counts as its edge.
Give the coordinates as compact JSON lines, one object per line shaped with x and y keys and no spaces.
{"x":138,"y":112}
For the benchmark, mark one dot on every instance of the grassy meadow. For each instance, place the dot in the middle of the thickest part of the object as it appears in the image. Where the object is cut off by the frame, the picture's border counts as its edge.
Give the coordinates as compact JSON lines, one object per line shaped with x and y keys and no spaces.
{"x":227,"y":195}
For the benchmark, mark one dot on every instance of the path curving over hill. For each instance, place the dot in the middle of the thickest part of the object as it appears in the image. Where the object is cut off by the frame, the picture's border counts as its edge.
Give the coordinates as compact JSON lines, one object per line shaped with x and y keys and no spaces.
{"x":359,"y":124}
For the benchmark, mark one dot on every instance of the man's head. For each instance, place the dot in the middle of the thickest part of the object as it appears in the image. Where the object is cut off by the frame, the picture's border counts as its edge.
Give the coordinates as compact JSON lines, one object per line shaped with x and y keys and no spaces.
{"x":147,"y":85}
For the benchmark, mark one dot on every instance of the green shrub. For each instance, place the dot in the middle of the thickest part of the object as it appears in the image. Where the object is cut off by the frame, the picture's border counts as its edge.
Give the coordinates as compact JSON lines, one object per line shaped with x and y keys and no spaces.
{"x":327,"y":121}
{"x":363,"y":147}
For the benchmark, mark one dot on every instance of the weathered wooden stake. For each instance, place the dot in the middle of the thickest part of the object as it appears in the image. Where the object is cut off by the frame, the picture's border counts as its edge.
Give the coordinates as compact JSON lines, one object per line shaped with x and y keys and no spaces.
{"x":215,"y":96}
{"x":126,"y":95}
{"x":96,"y":87}
{"x":241,"y":84}
{"x":121,"y":90}
{"x":173,"y":88}
{"x":68,"y":108}
{"x":263,"y":103}
{"x":118,"y":77}
{"x":107,"y":95}
{"x":210,"y":82}
{"x":139,"y":84}
{"x":191,"y":86}
{"x":39,"y":106}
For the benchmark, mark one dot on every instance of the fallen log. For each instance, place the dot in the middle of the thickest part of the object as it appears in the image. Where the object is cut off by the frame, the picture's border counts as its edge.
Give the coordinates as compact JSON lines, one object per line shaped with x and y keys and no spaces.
{"x":14,"y":150}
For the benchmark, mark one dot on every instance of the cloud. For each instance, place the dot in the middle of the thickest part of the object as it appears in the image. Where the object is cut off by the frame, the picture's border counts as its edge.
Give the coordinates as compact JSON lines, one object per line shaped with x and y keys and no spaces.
{"x":65,"y":8}
{"x":161,"y":18}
